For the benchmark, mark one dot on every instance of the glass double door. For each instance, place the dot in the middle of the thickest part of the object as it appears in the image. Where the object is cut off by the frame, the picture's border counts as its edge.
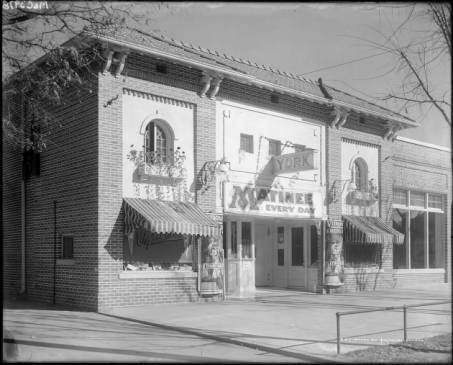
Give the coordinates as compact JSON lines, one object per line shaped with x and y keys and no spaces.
{"x":290,"y":256}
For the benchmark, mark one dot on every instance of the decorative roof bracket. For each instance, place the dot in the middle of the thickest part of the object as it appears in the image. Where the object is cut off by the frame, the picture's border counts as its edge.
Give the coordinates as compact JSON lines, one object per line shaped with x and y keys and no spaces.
{"x":122,"y":62}
{"x":109,"y":55}
{"x":206,"y":84}
{"x":216,"y":86}
{"x":115,"y":55}
{"x":343,"y":120}
{"x":391,"y":131}
{"x":341,"y":117}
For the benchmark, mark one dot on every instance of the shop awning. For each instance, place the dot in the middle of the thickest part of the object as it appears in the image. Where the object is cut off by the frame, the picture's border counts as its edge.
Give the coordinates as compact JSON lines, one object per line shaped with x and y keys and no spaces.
{"x":167,"y":217}
{"x":359,"y":229}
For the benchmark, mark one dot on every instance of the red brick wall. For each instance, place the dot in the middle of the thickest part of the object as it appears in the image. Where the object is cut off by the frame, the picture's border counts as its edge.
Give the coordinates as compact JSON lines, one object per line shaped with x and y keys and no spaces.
{"x":180,"y":84}
{"x":82,"y":170}
{"x":68,"y":176}
{"x":366,"y":133}
{"x":11,"y":214}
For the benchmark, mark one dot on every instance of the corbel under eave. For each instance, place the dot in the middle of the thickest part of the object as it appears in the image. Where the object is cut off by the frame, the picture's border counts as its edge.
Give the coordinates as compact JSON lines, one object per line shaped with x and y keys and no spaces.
{"x":121,"y":64}
{"x":341,"y":116}
{"x":206,"y":84}
{"x":392,"y":131}
{"x":216,"y":87}
{"x":343,"y":120}
{"x":109,"y":55}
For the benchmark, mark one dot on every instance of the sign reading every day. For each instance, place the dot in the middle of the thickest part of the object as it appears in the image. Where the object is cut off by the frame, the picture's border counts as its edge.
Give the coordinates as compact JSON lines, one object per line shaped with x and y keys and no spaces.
{"x":291,"y":162}
{"x":272,"y":202}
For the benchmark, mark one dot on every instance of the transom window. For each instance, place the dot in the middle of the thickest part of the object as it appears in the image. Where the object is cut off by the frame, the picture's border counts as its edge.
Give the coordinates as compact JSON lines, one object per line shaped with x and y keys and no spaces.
{"x":158,"y":142}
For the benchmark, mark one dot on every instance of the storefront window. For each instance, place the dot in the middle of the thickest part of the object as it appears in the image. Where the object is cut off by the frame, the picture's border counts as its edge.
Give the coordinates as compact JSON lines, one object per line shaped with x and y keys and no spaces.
{"x":145,"y":250}
{"x":435,"y":201}
{"x":436,"y":242}
{"x":297,"y":246}
{"x":234,"y":239}
{"x":417,"y":199}
{"x":362,"y":254}
{"x":399,"y":251}
{"x":246,"y":240}
{"x":400,"y":196}
{"x":417,"y":230}
{"x":422,"y":221}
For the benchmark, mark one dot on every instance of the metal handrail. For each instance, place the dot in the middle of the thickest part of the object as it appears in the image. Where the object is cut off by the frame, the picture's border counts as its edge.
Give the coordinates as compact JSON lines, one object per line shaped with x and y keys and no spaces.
{"x":403,"y":307}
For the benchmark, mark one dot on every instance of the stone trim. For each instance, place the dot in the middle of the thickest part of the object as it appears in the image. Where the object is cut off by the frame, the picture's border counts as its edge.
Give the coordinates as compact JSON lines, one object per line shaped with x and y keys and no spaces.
{"x":160,"y":99}
{"x":360,"y":143}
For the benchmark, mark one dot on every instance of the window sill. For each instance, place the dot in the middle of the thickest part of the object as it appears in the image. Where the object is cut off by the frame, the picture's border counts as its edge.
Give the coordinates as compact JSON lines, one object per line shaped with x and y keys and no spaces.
{"x":367,"y":270}
{"x":65,"y":262}
{"x":419,"y":271}
{"x":156,"y":274}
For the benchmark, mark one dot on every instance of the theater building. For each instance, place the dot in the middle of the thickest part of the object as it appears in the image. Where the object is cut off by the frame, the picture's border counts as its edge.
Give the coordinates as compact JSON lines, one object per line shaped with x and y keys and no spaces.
{"x":188,"y":175}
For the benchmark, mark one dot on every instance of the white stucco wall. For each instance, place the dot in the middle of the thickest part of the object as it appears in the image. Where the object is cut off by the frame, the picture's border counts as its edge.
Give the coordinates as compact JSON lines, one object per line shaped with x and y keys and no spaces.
{"x":254,"y":168}
{"x":370,"y":154}
{"x":137,"y":113}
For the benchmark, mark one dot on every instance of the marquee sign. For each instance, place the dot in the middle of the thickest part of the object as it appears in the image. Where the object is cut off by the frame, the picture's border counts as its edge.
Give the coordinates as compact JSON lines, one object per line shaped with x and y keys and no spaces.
{"x":264,"y":201}
{"x":291,"y":162}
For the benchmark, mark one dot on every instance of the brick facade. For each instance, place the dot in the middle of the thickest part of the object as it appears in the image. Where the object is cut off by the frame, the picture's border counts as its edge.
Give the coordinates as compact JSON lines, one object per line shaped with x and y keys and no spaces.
{"x":11,"y":209}
{"x":81,"y":170}
{"x":178,"y":84}
{"x":355,"y":280}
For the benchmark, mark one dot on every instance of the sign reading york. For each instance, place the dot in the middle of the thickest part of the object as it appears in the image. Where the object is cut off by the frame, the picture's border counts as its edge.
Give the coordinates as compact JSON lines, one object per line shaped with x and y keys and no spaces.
{"x":272,"y":202}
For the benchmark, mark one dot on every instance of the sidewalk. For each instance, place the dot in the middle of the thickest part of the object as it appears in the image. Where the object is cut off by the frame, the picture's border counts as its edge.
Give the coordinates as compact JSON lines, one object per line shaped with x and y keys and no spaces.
{"x":303,"y":325}
{"x":275,"y":326}
{"x":35,"y":332}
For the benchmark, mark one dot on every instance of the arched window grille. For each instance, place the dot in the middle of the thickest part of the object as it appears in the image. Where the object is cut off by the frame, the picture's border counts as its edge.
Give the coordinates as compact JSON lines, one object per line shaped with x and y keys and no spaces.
{"x":158,"y":142}
{"x":360,"y":174}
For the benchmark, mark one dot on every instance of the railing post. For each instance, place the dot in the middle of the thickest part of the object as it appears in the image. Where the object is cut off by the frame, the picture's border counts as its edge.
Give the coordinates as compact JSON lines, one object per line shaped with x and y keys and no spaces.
{"x":338,"y":333}
{"x":405,"y":322}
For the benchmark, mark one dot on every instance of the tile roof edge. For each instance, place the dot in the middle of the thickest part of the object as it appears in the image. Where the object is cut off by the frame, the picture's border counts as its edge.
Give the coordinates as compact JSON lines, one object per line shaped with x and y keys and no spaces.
{"x":292,"y":76}
{"x":371,"y":103}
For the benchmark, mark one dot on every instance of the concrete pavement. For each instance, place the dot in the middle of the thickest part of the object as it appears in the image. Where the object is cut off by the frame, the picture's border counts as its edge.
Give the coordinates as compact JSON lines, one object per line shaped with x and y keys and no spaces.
{"x":275,"y":326}
{"x":50,"y":334}
{"x":303,"y":325}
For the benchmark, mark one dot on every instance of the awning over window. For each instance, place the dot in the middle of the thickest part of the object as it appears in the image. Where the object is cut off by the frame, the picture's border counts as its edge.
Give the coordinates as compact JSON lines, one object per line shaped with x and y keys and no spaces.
{"x":168,"y":217}
{"x":359,"y":229}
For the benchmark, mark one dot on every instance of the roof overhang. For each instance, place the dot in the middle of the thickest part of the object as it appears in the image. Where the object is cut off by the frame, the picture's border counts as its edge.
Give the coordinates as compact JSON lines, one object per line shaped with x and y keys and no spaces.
{"x":243,"y":77}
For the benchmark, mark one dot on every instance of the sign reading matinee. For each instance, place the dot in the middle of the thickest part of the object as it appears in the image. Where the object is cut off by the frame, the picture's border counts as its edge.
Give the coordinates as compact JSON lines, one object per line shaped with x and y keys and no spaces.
{"x":272,"y":202}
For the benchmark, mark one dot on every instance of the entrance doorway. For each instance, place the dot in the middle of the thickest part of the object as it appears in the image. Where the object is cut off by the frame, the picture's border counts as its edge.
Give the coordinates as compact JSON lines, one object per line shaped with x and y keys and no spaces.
{"x":291,"y":256}
{"x":263,"y":254}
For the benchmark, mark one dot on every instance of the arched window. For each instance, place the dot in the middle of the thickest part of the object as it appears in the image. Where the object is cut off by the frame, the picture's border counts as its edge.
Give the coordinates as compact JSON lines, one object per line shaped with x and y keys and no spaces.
{"x":360,"y":174}
{"x":158,"y":142}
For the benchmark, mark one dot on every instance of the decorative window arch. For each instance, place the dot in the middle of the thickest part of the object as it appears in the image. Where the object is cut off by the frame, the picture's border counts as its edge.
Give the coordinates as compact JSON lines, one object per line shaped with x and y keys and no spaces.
{"x":159,"y":142}
{"x":359,"y":174}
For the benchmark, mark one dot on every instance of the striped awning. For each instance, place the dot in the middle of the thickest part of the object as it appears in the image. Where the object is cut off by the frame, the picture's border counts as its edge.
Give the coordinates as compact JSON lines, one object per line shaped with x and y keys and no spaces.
{"x":167,"y":217}
{"x":358,"y":229}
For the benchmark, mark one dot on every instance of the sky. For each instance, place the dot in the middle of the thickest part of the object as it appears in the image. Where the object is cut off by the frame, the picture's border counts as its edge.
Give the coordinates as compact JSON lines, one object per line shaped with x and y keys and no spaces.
{"x":328,"y":40}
